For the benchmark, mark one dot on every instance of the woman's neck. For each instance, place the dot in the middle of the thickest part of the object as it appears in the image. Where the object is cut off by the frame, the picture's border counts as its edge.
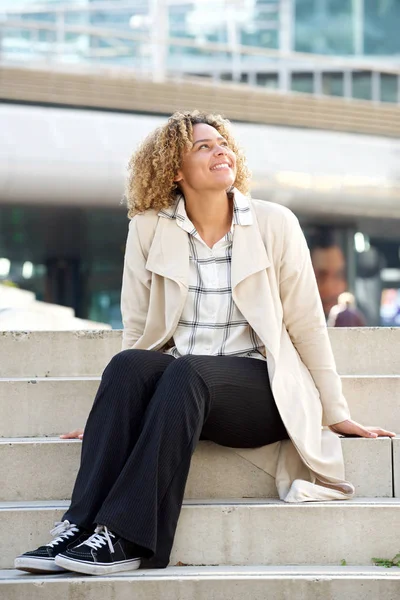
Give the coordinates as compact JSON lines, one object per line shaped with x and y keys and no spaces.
{"x":209,"y":211}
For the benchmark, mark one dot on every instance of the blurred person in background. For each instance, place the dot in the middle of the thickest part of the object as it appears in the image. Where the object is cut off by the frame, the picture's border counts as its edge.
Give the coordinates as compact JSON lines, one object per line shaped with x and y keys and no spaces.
{"x":224,"y":339}
{"x":345,"y":313}
{"x":329,"y":265}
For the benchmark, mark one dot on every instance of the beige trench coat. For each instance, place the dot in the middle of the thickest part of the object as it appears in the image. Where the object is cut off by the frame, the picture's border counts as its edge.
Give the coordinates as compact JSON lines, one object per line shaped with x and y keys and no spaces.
{"x":273,"y":285}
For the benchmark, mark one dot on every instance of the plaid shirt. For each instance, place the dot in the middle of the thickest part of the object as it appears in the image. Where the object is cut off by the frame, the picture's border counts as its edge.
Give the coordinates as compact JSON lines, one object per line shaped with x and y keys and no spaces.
{"x":211,"y":323}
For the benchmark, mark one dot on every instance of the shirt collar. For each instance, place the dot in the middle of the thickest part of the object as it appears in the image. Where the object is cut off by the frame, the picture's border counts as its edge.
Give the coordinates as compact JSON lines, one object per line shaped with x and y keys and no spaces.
{"x":178,"y":212}
{"x":241,"y":212}
{"x":241,"y":209}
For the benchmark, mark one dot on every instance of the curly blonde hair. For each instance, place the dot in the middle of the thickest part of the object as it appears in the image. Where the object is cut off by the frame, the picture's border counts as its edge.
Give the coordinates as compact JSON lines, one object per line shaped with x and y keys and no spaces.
{"x":153,"y":167}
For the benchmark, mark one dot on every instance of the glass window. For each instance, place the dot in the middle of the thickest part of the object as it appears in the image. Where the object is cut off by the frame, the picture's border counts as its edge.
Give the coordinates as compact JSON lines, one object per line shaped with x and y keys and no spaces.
{"x":263,"y":38}
{"x":332,"y":84}
{"x":382,"y":27}
{"x":324,"y":26}
{"x":348,"y":26}
{"x":302,"y":82}
{"x":269,"y":80}
{"x":362,"y":85}
{"x":389,"y":88}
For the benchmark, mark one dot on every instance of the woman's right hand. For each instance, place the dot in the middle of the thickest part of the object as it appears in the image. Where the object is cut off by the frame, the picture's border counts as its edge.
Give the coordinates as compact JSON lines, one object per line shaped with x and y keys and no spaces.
{"x":77,"y":434}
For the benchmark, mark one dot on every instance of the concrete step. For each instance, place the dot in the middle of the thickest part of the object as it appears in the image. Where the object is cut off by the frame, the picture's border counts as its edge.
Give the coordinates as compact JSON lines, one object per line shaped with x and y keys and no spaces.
{"x":45,"y":406}
{"x":49,"y":406}
{"x":45,"y":469}
{"x":56,"y":353}
{"x":242,"y":532}
{"x":362,"y":351}
{"x":396,"y":466}
{"x":211,"y":583}
{"x":21,"y":311}
{"x":372,"y":399}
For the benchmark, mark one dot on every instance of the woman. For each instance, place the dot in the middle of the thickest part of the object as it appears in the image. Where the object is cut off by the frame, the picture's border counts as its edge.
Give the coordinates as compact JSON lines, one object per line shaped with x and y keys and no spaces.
{"x":224,"y":339}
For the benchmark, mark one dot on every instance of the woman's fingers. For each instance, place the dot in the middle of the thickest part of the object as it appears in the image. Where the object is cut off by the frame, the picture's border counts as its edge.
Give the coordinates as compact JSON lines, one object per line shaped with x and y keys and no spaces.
{"x":376,"y":432}
{"x":381,"y":432}
{"x":350,"y":427}
{"x":77,"y":434}
{"x":365,"y":432}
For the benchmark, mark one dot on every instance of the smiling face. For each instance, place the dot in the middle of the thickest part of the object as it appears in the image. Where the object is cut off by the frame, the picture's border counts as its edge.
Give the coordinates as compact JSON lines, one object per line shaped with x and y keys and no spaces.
{"x":210,"y":165}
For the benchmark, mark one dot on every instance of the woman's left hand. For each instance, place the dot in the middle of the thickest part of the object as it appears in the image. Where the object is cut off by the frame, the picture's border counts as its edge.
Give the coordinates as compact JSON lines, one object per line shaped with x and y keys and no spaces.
{"x":352,"y":428}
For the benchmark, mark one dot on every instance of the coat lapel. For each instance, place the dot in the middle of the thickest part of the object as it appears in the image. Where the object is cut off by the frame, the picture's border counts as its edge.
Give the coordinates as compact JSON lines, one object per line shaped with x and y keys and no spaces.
{"x":168,"y":259}
{"x":249,"y":255}
{"x":251,"y":288}
{"x":169,"y":252}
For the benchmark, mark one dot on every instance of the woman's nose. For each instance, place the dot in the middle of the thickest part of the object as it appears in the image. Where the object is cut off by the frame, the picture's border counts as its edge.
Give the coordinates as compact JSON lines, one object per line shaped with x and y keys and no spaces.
{"x":220,"y":150}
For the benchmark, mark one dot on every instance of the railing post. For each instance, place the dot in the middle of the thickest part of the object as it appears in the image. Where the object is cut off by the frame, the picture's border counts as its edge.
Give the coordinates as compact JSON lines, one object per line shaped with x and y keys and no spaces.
{"x":358,"y":26}
{"x":286,"y":25}
{"x":2,"y":33}
{"x":233,"y":42}
{"x":216,"y":76}
{"x":159,"y":28}
{"x":318,"y":88}
{"x":347,"y":83}
{"x":398,"y":88}
{"x":60,"y":33}
{"x":284,"y":78}
{"x":252,"y":78}
{"x":286,"y":45}
{"x":375,"y":86}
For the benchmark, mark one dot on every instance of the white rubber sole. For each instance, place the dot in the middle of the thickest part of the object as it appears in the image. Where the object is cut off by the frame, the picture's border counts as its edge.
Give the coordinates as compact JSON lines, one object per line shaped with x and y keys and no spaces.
{"x":37,"y":565}
{"x":88,"y":568}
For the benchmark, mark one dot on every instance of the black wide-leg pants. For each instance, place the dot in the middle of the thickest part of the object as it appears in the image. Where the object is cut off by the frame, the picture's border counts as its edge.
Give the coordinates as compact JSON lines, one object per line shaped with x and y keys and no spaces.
{"x":148,"y":415}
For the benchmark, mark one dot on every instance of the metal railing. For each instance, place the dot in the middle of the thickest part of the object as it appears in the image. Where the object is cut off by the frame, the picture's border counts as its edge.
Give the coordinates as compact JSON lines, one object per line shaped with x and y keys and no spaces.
{"x":156,"y":56}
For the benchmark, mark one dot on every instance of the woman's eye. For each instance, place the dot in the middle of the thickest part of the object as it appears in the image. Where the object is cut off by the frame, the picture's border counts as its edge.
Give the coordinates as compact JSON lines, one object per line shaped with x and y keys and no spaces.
{"x":208,"y":145}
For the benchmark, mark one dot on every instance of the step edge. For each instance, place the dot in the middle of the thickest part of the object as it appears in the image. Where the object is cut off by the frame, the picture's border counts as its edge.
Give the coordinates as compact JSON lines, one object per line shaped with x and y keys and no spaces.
{"x":85,"y":378}
{"x":51,"y":439}
{"x":44,"y":505}
{"x":227,"y":573}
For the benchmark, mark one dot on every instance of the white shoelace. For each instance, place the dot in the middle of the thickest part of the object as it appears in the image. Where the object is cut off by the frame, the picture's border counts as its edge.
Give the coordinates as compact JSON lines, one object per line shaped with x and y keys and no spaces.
{"x":101,"y":536}
{"x":62,"y":531}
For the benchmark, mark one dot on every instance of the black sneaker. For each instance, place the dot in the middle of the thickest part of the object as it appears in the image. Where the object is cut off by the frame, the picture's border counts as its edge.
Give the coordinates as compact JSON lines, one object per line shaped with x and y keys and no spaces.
{"x":42,"y":560}
{"x":102,"y":553}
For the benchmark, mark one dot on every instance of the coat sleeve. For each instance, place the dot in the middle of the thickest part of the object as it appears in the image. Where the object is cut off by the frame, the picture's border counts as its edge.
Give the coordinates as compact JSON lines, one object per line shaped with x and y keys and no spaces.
{"x":135,"y":293}
{"x":305,"y":320}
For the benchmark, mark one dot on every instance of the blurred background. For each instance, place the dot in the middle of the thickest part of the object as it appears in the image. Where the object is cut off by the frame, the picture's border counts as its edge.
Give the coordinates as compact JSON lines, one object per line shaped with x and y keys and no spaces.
{"x":312,"y":86}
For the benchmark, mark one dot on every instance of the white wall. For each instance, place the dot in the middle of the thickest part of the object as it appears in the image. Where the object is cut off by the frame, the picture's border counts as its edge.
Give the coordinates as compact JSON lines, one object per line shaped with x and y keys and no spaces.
{"x":77,"y":157}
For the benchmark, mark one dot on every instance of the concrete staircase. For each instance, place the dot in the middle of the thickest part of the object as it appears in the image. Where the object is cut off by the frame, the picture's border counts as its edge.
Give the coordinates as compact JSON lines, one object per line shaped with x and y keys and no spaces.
{"x":19,"y":311}
{"x":236,"y":538}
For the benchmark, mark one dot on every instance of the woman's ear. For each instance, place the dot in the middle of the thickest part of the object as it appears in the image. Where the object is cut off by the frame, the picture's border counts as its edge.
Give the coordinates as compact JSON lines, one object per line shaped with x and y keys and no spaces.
{"x":178,"y":177}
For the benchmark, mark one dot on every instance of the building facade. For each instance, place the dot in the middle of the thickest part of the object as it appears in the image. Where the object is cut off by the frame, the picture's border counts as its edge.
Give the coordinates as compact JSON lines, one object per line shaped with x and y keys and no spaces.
{"x":361,"y":30}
